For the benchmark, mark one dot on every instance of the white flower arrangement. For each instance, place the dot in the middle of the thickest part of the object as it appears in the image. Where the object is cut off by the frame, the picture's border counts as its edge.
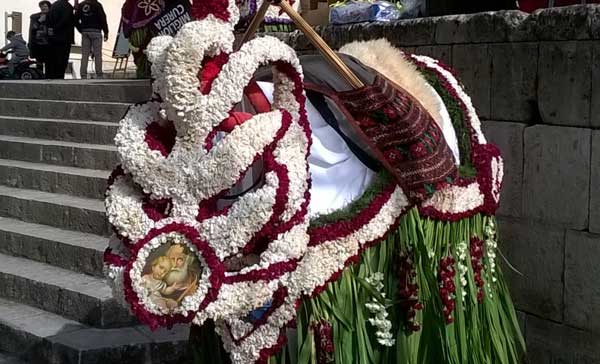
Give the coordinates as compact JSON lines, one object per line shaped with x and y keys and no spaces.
{"x":381,"y":322}
{"x":192,"y":174}
{"x":462,"y":255}
{"x":123,"y":205}
{"x":491,"y":245}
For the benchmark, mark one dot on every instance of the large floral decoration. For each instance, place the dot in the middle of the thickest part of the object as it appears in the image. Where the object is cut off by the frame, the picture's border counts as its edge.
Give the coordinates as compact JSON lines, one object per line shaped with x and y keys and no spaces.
{"x":182,"y":251}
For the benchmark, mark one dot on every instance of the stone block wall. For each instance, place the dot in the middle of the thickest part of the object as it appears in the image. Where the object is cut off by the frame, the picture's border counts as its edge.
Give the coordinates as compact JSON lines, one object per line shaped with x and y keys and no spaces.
{"x":535,"y":80}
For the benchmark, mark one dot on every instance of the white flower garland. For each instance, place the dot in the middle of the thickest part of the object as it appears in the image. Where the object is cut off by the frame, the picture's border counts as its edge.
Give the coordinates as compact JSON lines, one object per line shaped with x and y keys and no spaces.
{"x":456,"y":199}
{"x":123,"y":205}
{"x":190,"y":174}
{"x":227,"y":234}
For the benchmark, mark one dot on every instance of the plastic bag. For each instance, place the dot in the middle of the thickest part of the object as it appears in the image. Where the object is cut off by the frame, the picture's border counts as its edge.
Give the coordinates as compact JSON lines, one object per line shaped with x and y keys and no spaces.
{"x":412,"y":8}
{"x":361,"y":11}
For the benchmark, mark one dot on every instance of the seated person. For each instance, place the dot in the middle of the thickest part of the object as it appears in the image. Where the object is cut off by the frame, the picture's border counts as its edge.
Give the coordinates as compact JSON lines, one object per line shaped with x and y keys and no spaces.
{"x":17,"y":47}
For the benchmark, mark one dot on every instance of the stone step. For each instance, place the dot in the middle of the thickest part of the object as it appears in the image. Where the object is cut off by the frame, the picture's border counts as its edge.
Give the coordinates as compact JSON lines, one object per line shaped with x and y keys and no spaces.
{"x":95,"y":132}
{"x":73,"y":295}
{"x":130,"y":91}
{"x":53,"y":209}
{"x":10,"y":359}
{"x":72,"y":181}
{"x":46,"y":338}
{"x":94,"y":156}
{"x":58,"y":109}
{"x":72,"y":250}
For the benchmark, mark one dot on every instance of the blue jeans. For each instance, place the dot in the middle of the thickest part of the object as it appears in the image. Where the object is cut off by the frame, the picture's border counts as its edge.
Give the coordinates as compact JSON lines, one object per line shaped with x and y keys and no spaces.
{"x":91,"y":41}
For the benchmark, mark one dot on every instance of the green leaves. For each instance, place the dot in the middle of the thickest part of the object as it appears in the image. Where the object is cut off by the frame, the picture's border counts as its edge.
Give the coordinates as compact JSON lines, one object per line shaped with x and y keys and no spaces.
{"x":482,"y":333}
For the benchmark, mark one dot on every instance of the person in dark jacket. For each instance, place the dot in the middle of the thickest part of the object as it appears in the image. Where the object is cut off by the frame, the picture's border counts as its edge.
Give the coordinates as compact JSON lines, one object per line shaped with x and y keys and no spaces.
{"x":38,"y":33}
{"x":17,"y":48}
{"x":61,"y":34}
{"x":90,"y":20}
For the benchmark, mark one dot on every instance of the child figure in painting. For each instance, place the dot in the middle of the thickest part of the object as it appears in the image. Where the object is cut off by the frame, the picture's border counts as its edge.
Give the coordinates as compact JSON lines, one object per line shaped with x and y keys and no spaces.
{"x":156,"y":287}
{"x":180,"y":274}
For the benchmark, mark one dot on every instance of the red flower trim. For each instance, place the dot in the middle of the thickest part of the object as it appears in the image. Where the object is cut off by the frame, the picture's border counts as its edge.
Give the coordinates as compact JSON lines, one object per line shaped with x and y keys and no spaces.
{"x":274,"y":271}
{"x":156,"y":209}
{"x":481,"y":156}
{"x":217,"y":8}
{"x":211,"y":67}
{"x":272,"y":228}
{"x":343,"y":228}
{"x":113,"y":259}
{"x":161,"y":137}
{"x":210,"y":259}
{"x":482,"y":159}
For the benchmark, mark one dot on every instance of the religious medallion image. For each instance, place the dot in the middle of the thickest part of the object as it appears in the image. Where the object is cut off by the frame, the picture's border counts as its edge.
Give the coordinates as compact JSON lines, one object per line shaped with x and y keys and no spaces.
{"x":171,"y":274}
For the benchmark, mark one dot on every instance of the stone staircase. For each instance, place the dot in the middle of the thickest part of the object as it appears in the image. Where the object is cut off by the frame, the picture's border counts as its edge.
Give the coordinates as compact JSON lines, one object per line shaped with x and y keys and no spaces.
{"x":55,"y":155}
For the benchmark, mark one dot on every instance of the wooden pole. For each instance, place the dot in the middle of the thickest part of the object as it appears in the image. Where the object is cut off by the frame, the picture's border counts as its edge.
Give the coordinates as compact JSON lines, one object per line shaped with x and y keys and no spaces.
{"x":320,"y":44}
{"x":253,"y":27}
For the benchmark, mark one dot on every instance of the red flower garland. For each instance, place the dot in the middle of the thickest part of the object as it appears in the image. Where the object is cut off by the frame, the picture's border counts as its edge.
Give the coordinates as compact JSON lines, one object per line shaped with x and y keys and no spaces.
{"x":476,"y":250}
{"x":408,"y":290}
{"x":446,"y":276}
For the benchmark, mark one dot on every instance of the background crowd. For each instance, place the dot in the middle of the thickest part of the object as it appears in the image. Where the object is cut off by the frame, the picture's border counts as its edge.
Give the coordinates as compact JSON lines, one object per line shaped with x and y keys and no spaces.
{"x":52,"y":32}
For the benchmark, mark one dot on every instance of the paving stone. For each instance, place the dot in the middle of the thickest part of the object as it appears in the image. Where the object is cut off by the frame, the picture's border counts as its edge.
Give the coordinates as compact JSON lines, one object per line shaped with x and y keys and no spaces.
{"x":92,"y":156}
{"x":549,"y":342}
{"x":442,"y":53}
{"x":10,"y":359}
{"x":514,"y":80}
{"x":485,"y":27}
{"x":595,"y":22}
{"x":76,"y":296}
{"x":78,"y":182}
{"x":536,"y":251}
{"x":474,"y":67}
{"x":564,"y":87}
{"x":75,"y":251}
{"x":509,"y":138}
{"x":595,"y":109}
{"x":518,"y":26}
{"x":556,"y":175}
{"x":62,"y":211}
{"x":56,"y":109}
{"x":61,"y":130}
{"x":47,"y":338}
{"x":565,"y":23}
{"x":412,"y":32}
{"x":129,"y":91}
{"x":582,"y":292}
{"x":595,"y":181}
